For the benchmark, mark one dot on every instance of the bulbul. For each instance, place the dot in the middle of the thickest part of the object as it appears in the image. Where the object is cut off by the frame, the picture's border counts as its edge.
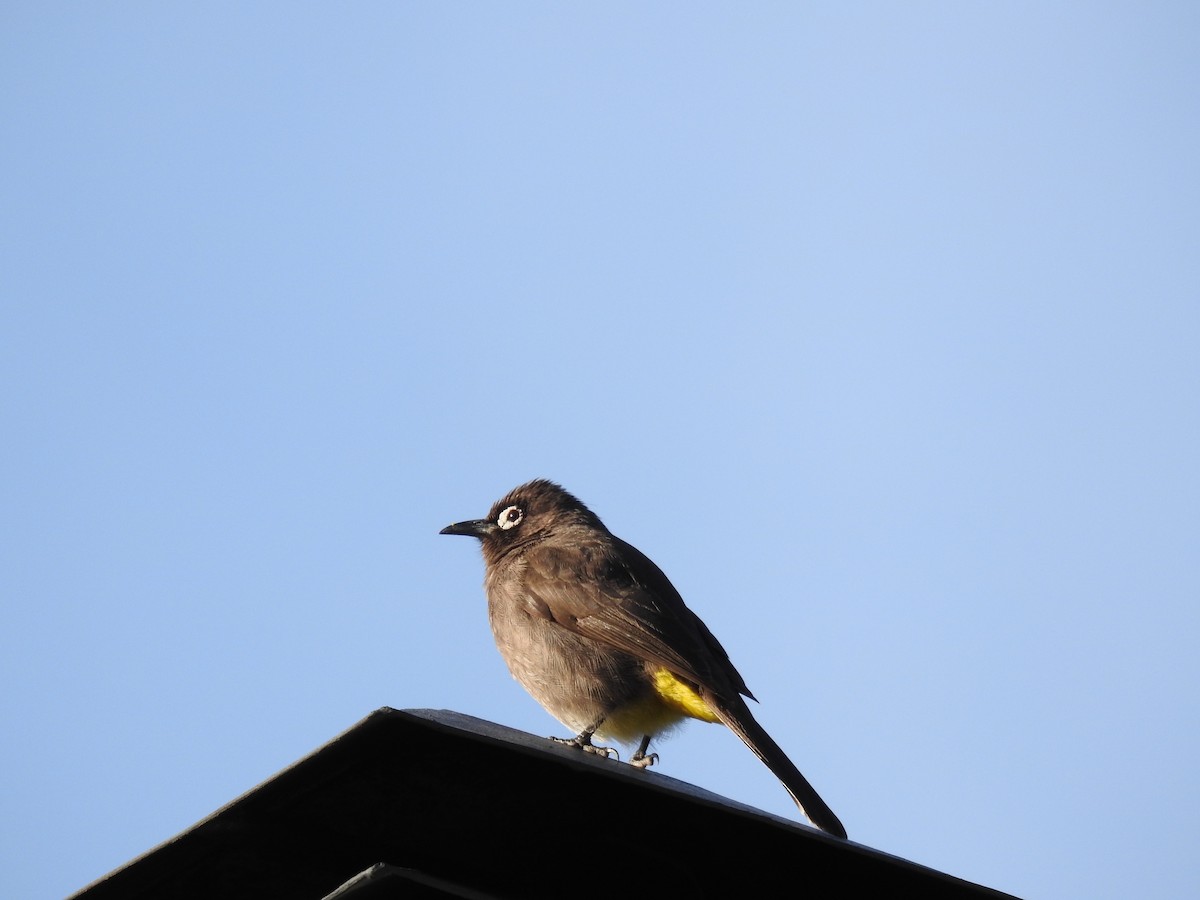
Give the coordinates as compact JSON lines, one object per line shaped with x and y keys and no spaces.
{"x":598,"y":635}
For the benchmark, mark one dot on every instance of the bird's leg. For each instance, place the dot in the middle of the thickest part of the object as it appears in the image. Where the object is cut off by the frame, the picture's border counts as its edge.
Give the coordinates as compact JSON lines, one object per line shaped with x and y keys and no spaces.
{"x":583,"y":741}
{"x":641,"y":758}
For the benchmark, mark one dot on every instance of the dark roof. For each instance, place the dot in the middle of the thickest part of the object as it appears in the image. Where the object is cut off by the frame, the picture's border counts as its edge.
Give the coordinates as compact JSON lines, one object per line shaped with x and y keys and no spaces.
{"x":429,"y":803}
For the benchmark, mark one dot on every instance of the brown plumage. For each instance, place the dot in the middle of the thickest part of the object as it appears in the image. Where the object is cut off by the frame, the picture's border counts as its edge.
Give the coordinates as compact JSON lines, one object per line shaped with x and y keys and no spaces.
{"x":595,"y":631}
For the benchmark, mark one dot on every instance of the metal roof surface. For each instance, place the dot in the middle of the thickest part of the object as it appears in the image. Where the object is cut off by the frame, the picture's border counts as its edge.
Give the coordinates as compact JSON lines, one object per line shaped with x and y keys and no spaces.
{"x":432,"y":803}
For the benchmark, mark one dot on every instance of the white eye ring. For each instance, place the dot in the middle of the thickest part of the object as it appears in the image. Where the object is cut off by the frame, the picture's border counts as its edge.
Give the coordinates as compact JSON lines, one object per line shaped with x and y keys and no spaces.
{"x":510,"y":518}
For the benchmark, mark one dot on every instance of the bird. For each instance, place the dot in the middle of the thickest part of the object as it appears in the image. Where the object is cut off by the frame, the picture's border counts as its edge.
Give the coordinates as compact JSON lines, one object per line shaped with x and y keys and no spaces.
{"x":599,"y":636}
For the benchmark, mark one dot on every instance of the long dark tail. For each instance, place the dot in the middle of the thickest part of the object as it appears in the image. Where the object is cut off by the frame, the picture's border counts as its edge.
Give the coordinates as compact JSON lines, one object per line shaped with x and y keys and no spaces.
{"x":738,"y":718}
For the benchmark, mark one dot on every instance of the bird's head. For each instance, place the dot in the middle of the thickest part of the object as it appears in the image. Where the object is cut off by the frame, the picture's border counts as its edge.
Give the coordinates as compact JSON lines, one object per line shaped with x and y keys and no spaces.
{"x":527,"y":513}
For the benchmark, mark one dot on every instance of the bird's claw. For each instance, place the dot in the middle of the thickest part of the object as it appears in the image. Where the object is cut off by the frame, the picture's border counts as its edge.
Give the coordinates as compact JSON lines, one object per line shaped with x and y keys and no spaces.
{"x":584,"y":743}
{"x":643,"y":760}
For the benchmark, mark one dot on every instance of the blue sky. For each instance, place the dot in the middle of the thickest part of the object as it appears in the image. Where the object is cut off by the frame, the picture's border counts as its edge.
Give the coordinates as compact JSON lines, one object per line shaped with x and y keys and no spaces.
{"x":874,"y":325}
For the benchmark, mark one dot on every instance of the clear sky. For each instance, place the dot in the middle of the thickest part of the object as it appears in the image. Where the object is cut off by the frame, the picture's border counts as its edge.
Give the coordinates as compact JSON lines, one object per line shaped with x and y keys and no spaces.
{"x":875,"y":325}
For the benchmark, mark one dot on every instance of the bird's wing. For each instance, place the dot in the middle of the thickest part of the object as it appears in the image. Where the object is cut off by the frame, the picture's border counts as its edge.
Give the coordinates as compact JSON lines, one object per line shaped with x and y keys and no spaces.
{"x":614,"y":594}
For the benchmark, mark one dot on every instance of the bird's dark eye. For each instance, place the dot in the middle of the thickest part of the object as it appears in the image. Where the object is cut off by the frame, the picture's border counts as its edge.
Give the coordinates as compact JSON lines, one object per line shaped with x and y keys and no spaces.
{"x":511,"y":517}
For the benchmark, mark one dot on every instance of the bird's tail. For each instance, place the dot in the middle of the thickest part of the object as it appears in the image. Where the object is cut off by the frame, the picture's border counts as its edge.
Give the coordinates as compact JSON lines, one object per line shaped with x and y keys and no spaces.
{"x":738,"y":718}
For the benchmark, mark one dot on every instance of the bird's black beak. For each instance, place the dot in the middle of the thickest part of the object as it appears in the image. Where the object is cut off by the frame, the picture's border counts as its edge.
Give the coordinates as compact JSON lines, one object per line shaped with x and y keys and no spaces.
{"x":479,"y":528}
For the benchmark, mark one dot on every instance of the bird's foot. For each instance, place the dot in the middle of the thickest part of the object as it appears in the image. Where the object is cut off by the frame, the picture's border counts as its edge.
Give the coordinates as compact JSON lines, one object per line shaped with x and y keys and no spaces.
{"x":643,"y":760}
{"x":640,"y":757}
{"x":584,"y":742}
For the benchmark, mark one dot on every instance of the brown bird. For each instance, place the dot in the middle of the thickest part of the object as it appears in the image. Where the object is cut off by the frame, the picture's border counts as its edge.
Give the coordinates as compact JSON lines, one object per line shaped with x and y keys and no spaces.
{"x":598,"y":635}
